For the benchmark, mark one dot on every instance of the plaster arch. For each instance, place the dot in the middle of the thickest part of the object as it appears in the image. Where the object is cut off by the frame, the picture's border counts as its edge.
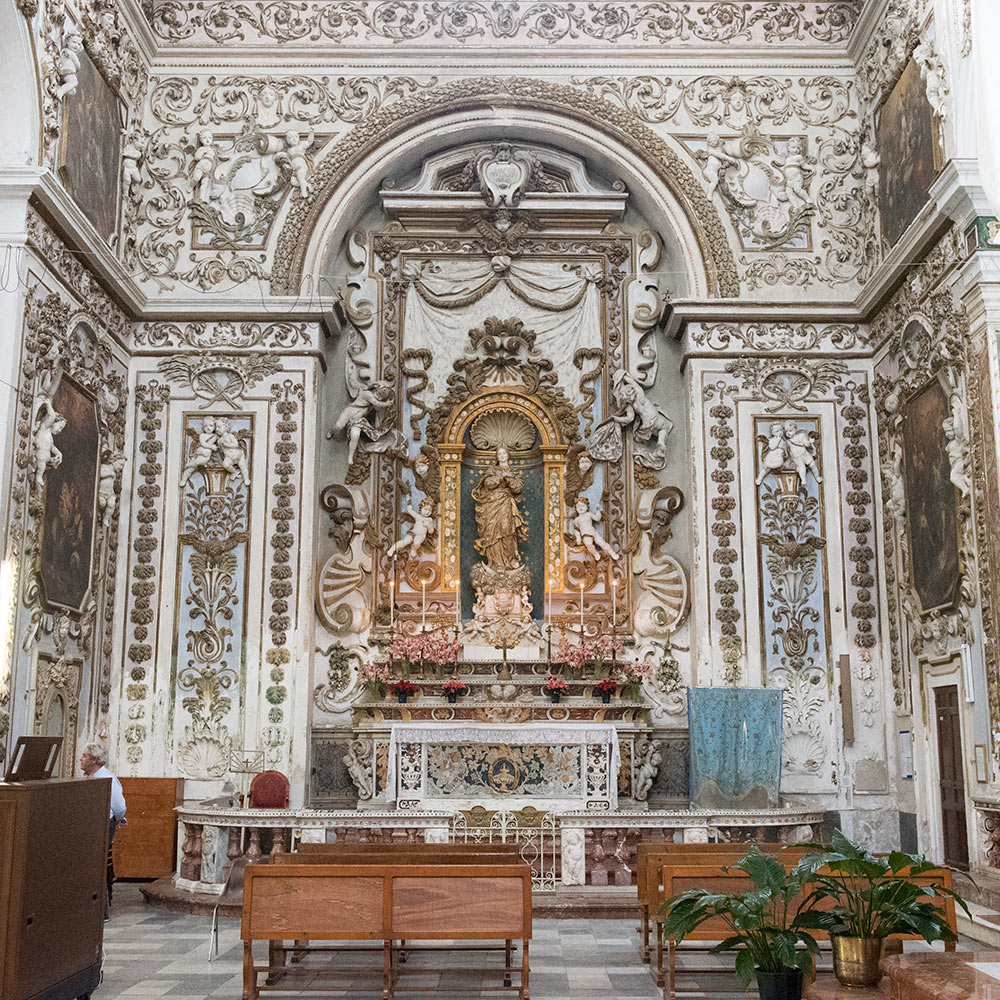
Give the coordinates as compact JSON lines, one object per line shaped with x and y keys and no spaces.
{"x":20,"y":123}
{"x":661,"y":185}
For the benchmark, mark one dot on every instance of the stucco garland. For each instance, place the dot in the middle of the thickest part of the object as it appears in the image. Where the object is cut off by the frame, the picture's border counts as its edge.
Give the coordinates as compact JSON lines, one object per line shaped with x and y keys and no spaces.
{"x":522,"y":92}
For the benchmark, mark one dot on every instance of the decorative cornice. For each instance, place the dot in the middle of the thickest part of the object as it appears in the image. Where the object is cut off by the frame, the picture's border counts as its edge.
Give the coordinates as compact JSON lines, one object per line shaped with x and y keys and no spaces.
{"x":480,"y":24}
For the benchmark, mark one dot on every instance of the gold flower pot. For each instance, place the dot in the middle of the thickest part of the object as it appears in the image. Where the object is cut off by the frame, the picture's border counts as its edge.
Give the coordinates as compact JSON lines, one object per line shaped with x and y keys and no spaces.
{"x":856,"y":960}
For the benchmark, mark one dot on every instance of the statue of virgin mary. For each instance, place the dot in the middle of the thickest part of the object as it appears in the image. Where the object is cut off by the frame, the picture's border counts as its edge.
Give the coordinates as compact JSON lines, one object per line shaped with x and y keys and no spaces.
{"x":498,"y":514}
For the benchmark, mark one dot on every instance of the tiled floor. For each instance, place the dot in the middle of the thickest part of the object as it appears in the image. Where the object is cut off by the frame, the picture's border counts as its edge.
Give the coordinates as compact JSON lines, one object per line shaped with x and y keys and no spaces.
{"x":151,"y":953}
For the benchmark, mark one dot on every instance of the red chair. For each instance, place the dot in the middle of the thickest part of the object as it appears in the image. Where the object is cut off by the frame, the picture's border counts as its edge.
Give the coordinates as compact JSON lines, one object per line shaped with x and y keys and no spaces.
{"x":269,"y":790}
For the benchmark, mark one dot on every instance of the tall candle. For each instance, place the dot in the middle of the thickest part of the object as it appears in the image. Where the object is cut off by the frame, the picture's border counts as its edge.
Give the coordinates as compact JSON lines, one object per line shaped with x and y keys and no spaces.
{"x":581,"y":610}
{"x":614,"y":604}
{"x":458,"y":605}
{"x":423,"y":610}
{"x":548,"y":612}
{"x":392,"y":603}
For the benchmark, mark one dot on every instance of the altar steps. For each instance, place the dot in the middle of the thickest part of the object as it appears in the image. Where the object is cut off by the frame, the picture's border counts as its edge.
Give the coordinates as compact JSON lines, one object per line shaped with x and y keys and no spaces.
{"x":564,"y":903}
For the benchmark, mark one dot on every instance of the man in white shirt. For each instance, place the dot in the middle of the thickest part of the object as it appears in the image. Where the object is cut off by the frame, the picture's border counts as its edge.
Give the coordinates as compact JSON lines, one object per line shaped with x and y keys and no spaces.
{"x":94,"y":763}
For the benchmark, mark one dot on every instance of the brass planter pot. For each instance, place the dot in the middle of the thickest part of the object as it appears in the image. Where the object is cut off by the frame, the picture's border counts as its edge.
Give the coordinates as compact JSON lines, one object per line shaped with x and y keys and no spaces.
{"x":856,"y":960}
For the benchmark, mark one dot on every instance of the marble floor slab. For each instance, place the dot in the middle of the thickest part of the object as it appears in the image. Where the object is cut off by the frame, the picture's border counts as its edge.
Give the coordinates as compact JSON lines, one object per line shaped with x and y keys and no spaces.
{"x":152,"y":953}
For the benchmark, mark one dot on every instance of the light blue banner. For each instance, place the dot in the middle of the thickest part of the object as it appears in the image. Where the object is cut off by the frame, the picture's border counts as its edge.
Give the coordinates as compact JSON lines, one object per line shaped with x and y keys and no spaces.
{"x":735,"y":747}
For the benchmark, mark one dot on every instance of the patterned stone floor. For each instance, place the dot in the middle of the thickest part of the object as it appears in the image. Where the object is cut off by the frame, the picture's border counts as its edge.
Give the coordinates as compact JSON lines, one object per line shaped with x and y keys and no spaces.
{"x":151,"y":953}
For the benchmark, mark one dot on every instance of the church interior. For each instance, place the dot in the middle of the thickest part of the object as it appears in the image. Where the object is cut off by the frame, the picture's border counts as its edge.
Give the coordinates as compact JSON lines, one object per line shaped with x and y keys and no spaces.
{"x":482,"y":477}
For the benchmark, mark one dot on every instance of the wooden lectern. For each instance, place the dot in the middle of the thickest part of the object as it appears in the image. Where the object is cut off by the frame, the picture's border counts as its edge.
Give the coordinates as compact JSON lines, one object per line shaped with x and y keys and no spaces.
{"x":53,"y":853}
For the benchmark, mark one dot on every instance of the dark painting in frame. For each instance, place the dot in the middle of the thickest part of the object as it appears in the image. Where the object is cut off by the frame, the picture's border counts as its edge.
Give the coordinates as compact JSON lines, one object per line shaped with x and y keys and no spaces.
{"x":931,"y":499}
{"x":69,"y":515}
{"x":907,"y":145}
{"x":90,"y":158}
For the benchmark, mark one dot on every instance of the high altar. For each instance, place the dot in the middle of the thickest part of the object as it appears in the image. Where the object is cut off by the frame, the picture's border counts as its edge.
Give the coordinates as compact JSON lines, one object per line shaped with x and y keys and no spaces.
{"x":501,"y":360}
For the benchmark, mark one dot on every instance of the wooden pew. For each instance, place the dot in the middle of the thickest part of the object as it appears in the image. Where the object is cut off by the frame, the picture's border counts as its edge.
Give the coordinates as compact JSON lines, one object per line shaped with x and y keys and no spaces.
{"x":383,"y":901}
{"x":648,"y":877}
{"x":677,"y":879}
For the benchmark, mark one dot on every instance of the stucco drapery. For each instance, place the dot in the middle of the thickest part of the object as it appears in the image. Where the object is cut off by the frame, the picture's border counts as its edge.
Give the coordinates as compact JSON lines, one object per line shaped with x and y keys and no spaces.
{"x":447,"y":299}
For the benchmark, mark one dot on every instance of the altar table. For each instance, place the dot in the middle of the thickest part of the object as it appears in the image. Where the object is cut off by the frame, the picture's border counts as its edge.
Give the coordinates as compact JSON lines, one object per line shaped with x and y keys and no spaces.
{"x":545,"y":765}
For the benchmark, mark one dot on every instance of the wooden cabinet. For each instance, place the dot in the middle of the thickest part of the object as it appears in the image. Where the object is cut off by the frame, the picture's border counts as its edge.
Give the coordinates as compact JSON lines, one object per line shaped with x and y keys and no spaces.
{"x":53,"y":856}
{"x":146,"y":846}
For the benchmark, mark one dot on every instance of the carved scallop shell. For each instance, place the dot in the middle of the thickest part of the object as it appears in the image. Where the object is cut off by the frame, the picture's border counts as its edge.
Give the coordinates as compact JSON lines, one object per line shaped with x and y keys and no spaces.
{"x":503,"y":427}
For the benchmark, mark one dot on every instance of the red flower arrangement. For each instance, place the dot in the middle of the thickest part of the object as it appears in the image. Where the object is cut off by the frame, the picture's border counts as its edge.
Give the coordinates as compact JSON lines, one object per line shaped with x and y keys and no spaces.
{"x":453,"y":689}
{"x":403,"y":689}
{"x":606,"y":688}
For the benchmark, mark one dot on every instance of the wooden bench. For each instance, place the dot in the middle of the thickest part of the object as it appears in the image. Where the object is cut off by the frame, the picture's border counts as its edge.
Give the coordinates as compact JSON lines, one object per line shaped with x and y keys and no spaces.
{"x":677,"y":879}
{"x":648,"y":875}
{"x":382,"y":901}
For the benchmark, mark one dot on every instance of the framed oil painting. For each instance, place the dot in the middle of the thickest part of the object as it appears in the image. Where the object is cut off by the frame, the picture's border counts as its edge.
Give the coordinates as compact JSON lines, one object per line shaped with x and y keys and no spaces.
{"x":91,"y":147}
{"x":907,"y":144}
{"x":69,"y":516}
{"x":931,"y":499}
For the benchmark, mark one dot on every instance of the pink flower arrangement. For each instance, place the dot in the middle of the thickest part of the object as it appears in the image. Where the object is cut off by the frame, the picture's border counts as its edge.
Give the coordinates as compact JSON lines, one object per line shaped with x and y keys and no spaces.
{"x":631,"y":674}
{"x":441,"y":648}
{"x":407,"y":647}
{"x":579,"y":654}
{"x":574,"y":655}
{"x":554,"y":684}
{"x":374,"y":675}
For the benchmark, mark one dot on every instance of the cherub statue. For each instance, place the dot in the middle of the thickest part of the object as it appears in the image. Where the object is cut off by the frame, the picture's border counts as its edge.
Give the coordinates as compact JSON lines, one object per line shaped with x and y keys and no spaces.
{"x":775,"y":452}
{"x":650,"y":426}
{"x":68,"y":64}
{"x":895,"y":503}
{"x":792,"y":167}
{"x":206,"y":158}
{"x":106,"y":499}
{"x":47,"y":455}
{"x":717,"y":160}
{"x":802,"y":453}
{"x":933,"y":73}
{"x":789,"y":446}
{"x":294,"y":157}
{"x":586,"y":534}
{"x":956,"y":434}
{"x":416,"y":535}
{"x":870,"y":161}
{"x":353,"y":419}
{"x":131,"y":155}
{"x":234,"y":459}
{"x":208,"y":441}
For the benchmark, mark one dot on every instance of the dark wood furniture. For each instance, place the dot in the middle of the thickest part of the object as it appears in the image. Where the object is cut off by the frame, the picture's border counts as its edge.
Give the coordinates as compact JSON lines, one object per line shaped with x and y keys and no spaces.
{"x":146,"y":847}
{"x":53,"y":854}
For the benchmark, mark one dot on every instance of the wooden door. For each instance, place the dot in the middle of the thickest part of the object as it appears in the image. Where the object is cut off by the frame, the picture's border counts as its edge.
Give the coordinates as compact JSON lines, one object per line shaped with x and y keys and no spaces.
{"x":951,"y":777}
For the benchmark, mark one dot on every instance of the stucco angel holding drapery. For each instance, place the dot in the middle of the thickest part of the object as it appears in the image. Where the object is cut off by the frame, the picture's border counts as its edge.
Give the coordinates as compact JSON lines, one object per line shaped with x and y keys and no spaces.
{"x":650,"y":426}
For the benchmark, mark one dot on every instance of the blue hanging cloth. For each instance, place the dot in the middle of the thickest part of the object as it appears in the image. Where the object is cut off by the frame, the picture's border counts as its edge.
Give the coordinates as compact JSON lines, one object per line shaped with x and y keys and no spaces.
{"x":735,"y":747}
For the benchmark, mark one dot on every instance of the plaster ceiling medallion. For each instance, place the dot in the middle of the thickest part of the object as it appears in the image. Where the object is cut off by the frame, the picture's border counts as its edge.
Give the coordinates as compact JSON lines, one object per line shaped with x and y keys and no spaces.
{"x":503,"y":427}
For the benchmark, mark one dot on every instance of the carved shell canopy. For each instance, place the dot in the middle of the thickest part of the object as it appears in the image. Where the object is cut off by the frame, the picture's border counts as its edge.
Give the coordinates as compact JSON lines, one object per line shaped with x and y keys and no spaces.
{"x":503,"y":427}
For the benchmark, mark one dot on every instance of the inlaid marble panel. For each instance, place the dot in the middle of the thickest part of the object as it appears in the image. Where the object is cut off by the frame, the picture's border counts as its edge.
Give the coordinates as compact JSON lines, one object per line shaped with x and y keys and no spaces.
{"x":464,"y":770}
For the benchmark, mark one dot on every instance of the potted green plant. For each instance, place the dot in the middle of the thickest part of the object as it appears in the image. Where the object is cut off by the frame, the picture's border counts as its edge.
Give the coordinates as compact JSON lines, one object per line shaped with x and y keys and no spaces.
{"x":767,"y":934}
{"x":872,"y":897}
